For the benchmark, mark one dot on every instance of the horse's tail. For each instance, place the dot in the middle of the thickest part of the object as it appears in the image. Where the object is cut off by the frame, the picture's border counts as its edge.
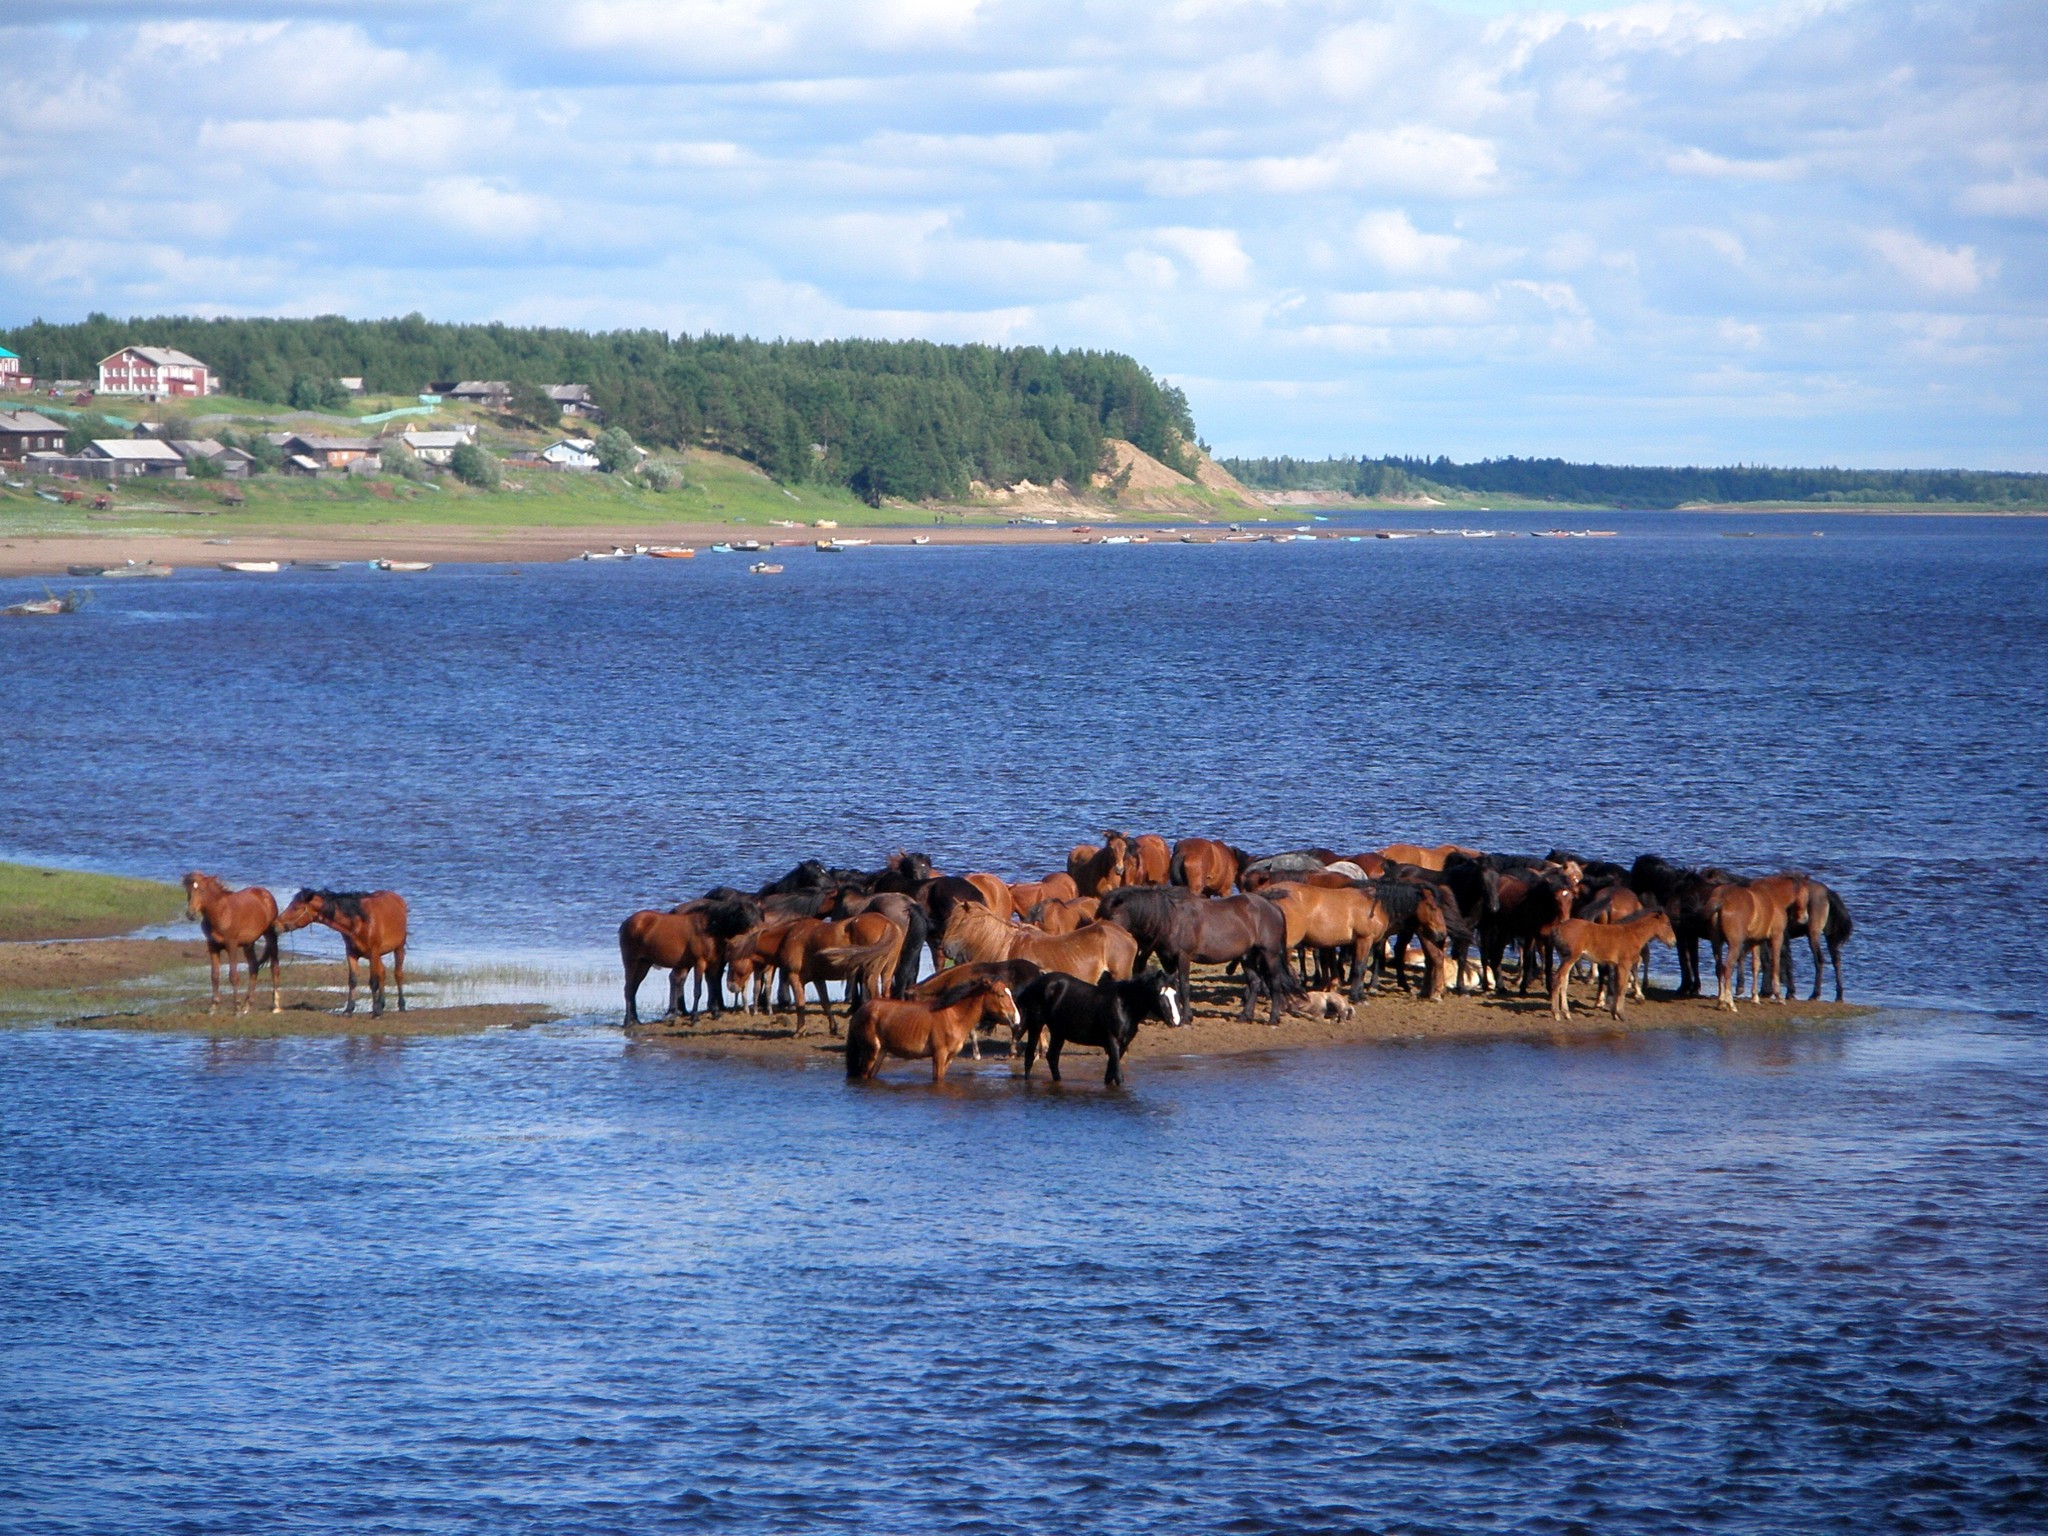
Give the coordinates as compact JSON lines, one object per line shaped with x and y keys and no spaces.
{"x":855,"y":957}
{"x":863,"y":1045}
{"x":1243,"y":859}
{"x":1839,"y":924}
{"x":914,"y":940}
{"x":1177,"y":867}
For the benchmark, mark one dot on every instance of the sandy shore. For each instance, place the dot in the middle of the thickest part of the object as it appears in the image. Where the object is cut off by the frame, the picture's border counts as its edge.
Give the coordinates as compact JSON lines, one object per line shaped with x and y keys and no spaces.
{"x":1216,"y":1030}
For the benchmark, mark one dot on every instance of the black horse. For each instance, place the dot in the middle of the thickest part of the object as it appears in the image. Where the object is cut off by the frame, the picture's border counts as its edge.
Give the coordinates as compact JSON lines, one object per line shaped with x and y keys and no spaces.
{"x":1107,"y":1014}
{"x":1182,"y":929}
{"x":1688,"y":896}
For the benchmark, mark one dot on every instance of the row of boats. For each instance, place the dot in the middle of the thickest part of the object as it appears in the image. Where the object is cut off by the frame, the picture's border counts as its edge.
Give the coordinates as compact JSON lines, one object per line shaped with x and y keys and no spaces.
{"x":131,"y":569}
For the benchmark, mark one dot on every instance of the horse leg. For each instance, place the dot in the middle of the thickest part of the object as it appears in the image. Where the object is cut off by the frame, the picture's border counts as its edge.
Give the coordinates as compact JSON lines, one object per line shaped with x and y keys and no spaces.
{"x":1724,"y":977}
{"x":1560,"y":995}
{"x":675,"y":991}
{"x":636,"y":972}
{"x":1361,"y":961}
{"x":270,"y":949}
{"x":213,"y":956}
{"x":1113,"y":1076}
{"x":376,"y":983}
{"x":1052,"y":1053}
{"x":1030,"y":1047}
{"x":348,"y":958}
{"x":398,"y":974}
{"x":825,"y":1002}
{"x":941,"y":1055}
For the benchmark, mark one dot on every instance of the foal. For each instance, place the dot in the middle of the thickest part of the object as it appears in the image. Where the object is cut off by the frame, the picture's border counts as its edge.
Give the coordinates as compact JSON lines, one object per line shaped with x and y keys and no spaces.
{"x":885,"y":1027}
{"x":1614,"y":949}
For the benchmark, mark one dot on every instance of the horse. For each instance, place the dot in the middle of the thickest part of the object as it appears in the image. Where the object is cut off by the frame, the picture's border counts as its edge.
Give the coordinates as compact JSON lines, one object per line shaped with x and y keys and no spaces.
{"x":1058,"y":917}
{"x":1618,"y":904}
{"x":977,"y":934}
{"x":1426,"y":858}
{"x":1321,"y":918}
{"x":694,"y":939}
{"x":1150,"y":861}
{"x":244,"y":920}
{"x":1827,"y":921}
{"x":1013,"y":974}
{"x":371,"y":925}
{"x":1260,"y":873}
{"x":1519,"y":907}
{"x":1419,"y":912}
{"x":1183,"y":929}
{"x":995,"y":891}
{"x":1205,"y":866}
{"x":1027,"y":894}
{"x":1107,"y":1015}
{"x":811,"y":951}
{"x":1095,"y":870}
{"x":1688,"y":895}
{"x":898,"y":908}
{"x":912,"y":1030}
{"x":1755,"y":912}
{"x":1614,"y":948}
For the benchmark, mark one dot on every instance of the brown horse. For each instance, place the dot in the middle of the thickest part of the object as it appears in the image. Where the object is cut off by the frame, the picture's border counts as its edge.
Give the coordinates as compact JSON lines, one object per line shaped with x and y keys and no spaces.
{"x":976,"y":934}
{"x":995,"y":891}
{"x":1026,"y":894}
{"x":1205,"y":866}
{"x":1095,"y":870}
{"x":1755,"y":913}
{"x":1320,"y":917}
{"x":371,"y":925}
{"x":681,"y":943}
{"x":243,"y":920}
{"x":811,"y":951}
{"x":912,"y":1030}
{"x":1011,"y":973}
{"x":1426,"y":858}
{"x":1058,"y":917}
{"x":1614,"y":948}
{"x":1617,"y":904}
{"x":1150,"y":862}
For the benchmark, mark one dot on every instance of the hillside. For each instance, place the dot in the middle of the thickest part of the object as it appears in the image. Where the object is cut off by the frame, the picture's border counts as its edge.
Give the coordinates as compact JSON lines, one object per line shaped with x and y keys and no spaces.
{"x":912,"y":420}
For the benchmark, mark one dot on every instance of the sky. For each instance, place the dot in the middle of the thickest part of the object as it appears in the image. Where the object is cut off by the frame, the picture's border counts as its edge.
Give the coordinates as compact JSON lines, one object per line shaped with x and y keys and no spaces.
{"x":1804,"y":232}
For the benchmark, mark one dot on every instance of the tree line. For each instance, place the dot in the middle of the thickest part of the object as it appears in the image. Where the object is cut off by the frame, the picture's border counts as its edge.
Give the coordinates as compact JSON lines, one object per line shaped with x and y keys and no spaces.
{"x":1627,"y":485}
{"x":913,"y":419}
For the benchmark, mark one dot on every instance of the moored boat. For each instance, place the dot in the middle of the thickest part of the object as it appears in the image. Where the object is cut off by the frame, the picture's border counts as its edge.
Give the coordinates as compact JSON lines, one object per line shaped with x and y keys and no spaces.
{"x":252,"y":567}
{"x":673,"y":552}
{"x":404,"y":565}
{"x":920,"y":538}
{"x":764,"y":568}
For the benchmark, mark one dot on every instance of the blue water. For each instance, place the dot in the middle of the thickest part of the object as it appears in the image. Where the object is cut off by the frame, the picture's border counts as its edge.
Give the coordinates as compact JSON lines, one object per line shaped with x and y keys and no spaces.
{"x":557,"y":1281}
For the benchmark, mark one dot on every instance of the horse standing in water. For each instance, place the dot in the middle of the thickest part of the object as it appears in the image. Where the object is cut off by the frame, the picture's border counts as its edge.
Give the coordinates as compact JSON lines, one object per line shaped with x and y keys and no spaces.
{"x":371,"y":925}
{"x":243,"y":920}
{"x":938,"y":1029}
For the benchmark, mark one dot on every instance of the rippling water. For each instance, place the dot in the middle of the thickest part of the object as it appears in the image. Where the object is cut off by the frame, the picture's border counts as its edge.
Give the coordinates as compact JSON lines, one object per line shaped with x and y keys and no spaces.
{"x":554,"y":1281}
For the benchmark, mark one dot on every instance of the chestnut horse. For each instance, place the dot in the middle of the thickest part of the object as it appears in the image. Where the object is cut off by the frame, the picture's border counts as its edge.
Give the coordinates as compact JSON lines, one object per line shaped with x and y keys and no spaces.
{"x":371,"y":925}
{"x":976,"y":934}
{"x":1095,"y":870}
{"x":1150,"y":861}
{"x":912,"y":1030}
{"x":691,"y":940}
{"x":1026,"y":894}
{"x":1205,"y":866}
{"x":995,"y":891}
{"x":1319,"y":917}
{"x":1058,"y":917}
{"x":1011,"y":973}
{"x":811,"y":951}
{"x":1614,"y":948}
{"x":243,"y":920}
{"x":1755,"y":913}
{"x":1426,"y":858}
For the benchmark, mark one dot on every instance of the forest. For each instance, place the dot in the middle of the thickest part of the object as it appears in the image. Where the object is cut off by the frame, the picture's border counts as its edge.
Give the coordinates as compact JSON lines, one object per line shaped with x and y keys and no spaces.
{"x":911,"y":419}
{"x":1624,"y":485}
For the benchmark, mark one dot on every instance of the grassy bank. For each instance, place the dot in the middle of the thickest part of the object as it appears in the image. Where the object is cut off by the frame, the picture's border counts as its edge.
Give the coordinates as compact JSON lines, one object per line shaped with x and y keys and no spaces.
{"x":38,"y":903}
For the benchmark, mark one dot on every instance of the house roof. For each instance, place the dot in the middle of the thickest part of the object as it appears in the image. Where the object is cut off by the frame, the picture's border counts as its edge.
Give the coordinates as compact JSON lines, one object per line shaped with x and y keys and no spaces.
{"x":26,"y":421}
{"x":569,"y":391}
{"x":337,"y":444}
{"x":305,"y":463}
{"x":205,"y":447}
{"x":434,"y":439}
{"x":135,"y":450}
{"x":163,"y":357}
{"x":5,"y":353}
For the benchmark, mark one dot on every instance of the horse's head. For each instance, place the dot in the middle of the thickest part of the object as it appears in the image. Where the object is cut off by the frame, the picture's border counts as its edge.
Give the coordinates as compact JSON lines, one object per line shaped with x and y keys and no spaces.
{"x":1801,"y":905}
{"x":999,"y":1002}
{"x":1430,"y":920}
{"x":1165,"y":1001}
{"x":309,"y":906}
{"x":913,"y":866}
{"x":200,"y":888}
{"x":1118,"y":847}
{"x":1660,"y":927}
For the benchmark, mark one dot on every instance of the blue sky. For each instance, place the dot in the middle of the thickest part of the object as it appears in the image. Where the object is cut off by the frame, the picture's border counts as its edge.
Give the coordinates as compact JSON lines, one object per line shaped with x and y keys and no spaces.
{"x":1661,"y":232}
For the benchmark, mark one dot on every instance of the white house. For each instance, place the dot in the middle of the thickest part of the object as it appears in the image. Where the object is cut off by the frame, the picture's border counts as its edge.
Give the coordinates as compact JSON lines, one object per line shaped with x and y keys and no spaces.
{"x":10,"y":369}
{"x":155,"y":372}
{"x":437,"y":447}
{"x":571,"y":453}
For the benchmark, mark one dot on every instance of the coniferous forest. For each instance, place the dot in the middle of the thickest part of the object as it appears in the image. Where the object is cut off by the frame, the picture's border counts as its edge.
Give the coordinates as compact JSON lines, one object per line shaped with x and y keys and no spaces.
{"x":887,"y":418}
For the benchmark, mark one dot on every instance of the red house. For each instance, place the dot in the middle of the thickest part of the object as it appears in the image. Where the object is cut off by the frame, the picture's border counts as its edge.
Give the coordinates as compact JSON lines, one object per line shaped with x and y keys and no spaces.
{"x":156,"y":373}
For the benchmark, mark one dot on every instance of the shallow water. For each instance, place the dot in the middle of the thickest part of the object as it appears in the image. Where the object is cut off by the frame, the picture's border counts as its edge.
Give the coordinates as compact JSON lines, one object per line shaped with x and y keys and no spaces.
{"x":555,"y":1281}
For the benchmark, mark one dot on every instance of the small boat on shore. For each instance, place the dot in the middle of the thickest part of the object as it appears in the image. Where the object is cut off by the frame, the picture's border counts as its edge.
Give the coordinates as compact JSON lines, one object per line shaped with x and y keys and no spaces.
{"x":763,"y":568}
{"x":1118,"y":538}
{"x":318,"y":565}
{"x":403,"y":565}
{"x":252,"y":567}
{"x":920,"y":538}
{"x":746,"y":546}
{"x":828,"y":546}
{"x":673,"y":552}
{"x":614,"y":553}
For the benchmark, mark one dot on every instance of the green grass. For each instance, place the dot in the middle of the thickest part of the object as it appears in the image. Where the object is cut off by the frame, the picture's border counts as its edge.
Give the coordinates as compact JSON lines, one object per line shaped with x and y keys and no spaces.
{"x":38,"y":903}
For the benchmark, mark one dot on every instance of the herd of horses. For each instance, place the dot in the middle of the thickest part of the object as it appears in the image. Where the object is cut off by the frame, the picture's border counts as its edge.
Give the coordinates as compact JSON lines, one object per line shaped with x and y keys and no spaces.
{"x":1063,"y":959}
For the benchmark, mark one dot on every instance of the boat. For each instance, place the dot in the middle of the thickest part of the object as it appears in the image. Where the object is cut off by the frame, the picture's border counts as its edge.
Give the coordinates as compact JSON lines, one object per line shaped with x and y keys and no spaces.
{"x":825,"y":522}
{"x":721,"y":549}
{"x":1390,"y":534}
{"x":855,"y":543}
{"x":920,"y":538}
{"x":673,"y":552}
{"x":130,"y":569}
{"x":1141,"y":538}
{"x":1476,"y":533}
{"x":48,"y":605}
{"x":86,"y":570}
{"x":403,"y":565}
{"x":1118,"y":538}
{"x":829,"y":546}
{"x":615,"y":553}
{"x":252,"y":567}
{"x":764,"y":568}
{"x":319,"y":565}
{"x":746,"y":546}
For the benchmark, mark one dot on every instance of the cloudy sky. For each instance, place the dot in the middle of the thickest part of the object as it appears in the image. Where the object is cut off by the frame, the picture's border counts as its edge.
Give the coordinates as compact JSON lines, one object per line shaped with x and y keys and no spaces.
{"x":1763,"y":232}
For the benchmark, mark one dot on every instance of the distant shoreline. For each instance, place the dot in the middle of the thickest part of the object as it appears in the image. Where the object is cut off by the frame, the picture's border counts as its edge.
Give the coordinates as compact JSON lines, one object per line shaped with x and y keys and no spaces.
{"x":51,"y":554}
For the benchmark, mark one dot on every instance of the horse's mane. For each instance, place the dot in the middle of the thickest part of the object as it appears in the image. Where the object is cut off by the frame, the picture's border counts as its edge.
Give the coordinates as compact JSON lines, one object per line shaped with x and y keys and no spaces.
{"x":347,"y":903}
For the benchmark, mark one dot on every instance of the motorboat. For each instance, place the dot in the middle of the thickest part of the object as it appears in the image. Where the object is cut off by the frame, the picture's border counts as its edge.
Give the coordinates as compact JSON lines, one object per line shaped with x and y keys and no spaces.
{"x":614,"y":553}
{"x":252,"y":567}
{"x":920,"y":538}
{"x":764,"y":568}
{"x":747,"y":546}
{"x":672,"y":552}
{"x":403,"y":565}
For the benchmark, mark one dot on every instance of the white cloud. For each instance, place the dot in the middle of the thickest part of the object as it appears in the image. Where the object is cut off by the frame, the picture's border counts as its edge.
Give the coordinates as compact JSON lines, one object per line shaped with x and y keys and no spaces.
{"x":1413,"y":306}
{"x":1699,"y":162}
{"x":1937,"y":268}
{"x":1215,"y":255}
{"x":1390,"y":239}
{"x":2023,"y":195}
